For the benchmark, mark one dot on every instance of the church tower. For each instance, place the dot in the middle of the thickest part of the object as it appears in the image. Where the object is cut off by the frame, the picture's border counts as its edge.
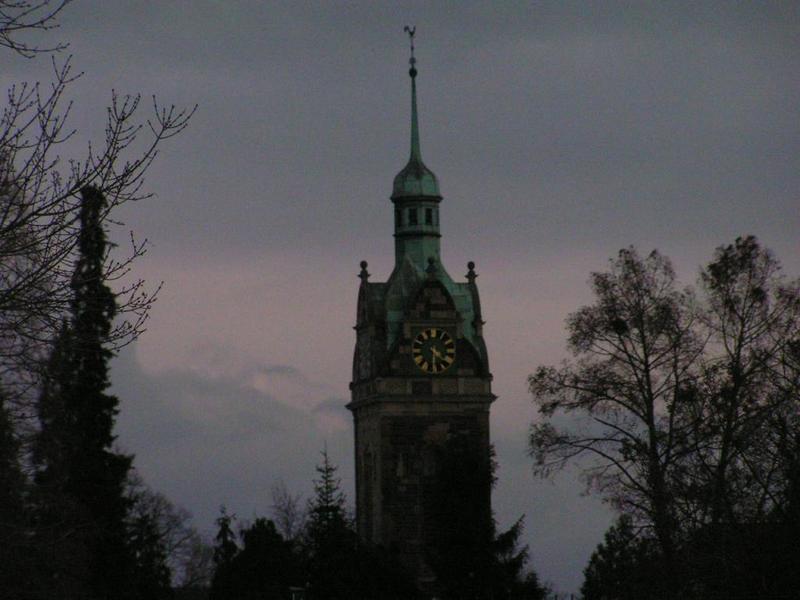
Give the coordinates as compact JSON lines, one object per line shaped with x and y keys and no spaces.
{"x":420,"y":371}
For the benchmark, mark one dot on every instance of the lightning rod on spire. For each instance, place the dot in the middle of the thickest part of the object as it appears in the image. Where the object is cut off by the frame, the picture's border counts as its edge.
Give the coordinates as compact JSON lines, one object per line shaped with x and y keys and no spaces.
{"x":412,"y":61}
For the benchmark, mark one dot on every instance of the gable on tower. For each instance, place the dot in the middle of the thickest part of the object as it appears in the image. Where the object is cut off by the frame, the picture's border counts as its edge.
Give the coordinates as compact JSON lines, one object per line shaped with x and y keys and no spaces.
{"x":388,"y":311}
{"x":433,"y":307}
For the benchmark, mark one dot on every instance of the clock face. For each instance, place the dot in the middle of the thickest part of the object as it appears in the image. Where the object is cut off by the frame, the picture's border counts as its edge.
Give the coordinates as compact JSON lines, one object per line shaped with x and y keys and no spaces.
{"x":433,"y":350}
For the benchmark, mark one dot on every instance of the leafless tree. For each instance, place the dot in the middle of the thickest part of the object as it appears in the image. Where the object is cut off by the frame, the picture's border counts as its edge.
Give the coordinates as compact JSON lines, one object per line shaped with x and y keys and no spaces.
{"x":682,"y":407}
{"x":750,"y":391}
{"x":190,"y":557}
{"x":636,"y":352}
{"x":22,"y":18}
{"x":288,"y":511}
{"x":197,"y":567}
{"x":40,"y":196}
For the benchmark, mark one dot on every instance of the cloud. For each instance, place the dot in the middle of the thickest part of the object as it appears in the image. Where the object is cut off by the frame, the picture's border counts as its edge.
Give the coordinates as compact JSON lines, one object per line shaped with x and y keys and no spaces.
{"x":208,"y":439}
{"x":333,"y":414}
{"x":279,"y":370}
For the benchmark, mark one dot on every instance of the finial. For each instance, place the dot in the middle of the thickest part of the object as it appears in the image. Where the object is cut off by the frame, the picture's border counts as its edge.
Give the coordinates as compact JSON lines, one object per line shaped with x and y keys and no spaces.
{"x":364,"y":274}
{"x":471,"y":275}
{"x":412,"y":61}
{"x":431,"y":270}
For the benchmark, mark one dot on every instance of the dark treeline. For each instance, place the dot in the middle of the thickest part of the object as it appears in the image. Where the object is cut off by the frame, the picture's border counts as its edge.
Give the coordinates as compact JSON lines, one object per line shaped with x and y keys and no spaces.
{"x":689,"y":405}
{"x":468,"y":555}
{"x":317,"y":551}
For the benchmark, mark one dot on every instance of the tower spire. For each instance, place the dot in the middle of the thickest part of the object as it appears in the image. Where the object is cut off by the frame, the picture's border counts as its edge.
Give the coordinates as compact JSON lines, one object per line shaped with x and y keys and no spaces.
{"x":416,"y":153}
{"x":415,"y":180}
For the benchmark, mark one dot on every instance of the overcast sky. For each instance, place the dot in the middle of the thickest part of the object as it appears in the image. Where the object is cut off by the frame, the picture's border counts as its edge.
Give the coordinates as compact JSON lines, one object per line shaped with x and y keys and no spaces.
{"x":560,"y":133}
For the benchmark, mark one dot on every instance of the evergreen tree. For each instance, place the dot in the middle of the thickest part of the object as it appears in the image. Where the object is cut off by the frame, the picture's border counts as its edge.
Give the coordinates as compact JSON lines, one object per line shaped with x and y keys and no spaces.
{"x":331,"y":543}
{"x":338,"y":565}
{"x":510,"y":579}
{"x":151,"y":577}
{"x":381,"y":576}
{"x":460,"y":541}
{"x":623,"y":567}
{"x":58,"y":429}
{"x":14,"y":551}
{"x":326,"y":510}
{"x":163,"y":539}
{"x":225,"y":551}
{"x":468,"y":556}
{"x":80,"y":476}
{"x":60,"y":520}
{"x":266,"y":566}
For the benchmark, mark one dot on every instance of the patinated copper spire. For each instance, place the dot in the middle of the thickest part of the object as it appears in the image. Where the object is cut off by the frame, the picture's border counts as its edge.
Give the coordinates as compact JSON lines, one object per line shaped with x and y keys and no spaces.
{"x":416,"y":153}
{"x":415,"y":180}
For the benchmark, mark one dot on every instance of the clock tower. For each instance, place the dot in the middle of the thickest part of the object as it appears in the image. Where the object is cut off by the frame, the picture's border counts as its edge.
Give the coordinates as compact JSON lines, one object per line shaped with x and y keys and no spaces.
{"x":420,"y":372}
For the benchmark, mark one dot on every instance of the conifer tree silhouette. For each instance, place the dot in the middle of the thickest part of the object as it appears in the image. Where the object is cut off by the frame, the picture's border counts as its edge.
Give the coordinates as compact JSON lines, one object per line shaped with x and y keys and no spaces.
{"x":80,"y":476}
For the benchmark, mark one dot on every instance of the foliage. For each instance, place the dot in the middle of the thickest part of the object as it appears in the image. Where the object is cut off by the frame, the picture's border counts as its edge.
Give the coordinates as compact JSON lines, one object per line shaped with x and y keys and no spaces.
{"x":330,"y":541}
{"x":461,"y":557}
{"x":151,"y":577}
{"x":14,"y":550}
{"x":511,"y":579}
{"x":623,"y":567}
{"x":338,"y":565}
{"x":636,"y":351}
{"x":679,"y":402}
{"x":225,"y":551}
{"x":187,"y":557}
{"x":266,"y":566}
{"x":78,"y":470}
{"x":326,"y":558}
{"x":327,"y":513}
{"x":473,"y":561}
{"x":287,"y":512}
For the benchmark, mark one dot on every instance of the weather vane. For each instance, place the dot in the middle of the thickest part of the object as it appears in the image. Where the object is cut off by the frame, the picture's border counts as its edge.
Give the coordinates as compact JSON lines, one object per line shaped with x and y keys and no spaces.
{"x":412,"y":61}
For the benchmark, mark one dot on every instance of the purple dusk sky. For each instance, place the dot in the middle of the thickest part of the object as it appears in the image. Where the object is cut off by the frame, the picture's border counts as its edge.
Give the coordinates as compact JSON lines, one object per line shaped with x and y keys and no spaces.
{"x":560,"y":132}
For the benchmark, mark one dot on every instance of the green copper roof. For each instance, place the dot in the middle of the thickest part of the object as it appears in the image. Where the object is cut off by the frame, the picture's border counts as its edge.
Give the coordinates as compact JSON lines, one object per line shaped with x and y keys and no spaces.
{"x":415,"y":179}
